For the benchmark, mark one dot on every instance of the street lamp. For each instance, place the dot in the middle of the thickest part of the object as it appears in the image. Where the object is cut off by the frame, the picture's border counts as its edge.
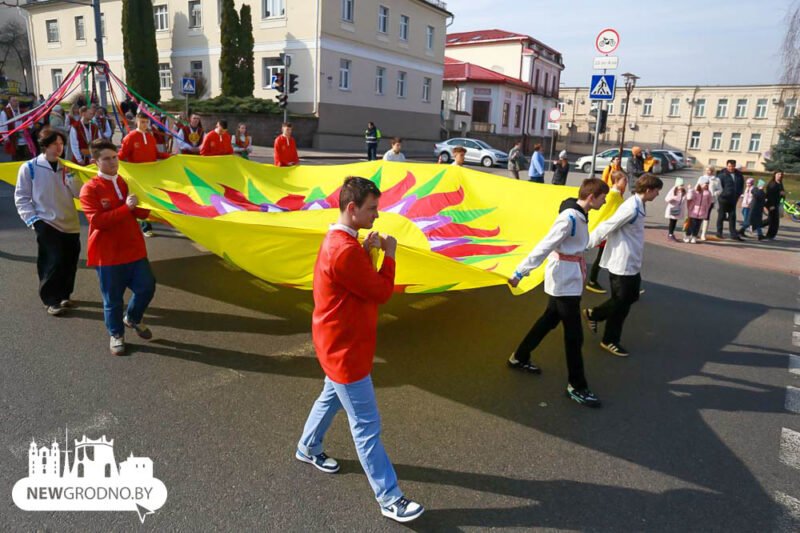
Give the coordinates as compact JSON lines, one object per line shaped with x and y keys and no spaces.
{"x":630,"y":83}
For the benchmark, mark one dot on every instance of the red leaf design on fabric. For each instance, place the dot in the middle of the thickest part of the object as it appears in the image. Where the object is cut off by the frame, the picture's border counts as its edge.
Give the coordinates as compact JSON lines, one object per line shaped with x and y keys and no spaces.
{"x":393,"y":195}
{"x":292,"y":202}
{"x":462,"y":230}
{"x":237,"y":198}
{"x":431,"y":205}
{"x":333,"y":198}
{"x":470,"y":250}
{"x":185,"y":203}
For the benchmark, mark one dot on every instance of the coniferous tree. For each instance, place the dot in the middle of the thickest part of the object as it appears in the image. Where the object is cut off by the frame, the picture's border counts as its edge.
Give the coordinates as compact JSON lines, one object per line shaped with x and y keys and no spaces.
{"x":246,"y":62}
{"x":139,"y":48}
{"x":786,"y":152}
{"x":229,"y":52}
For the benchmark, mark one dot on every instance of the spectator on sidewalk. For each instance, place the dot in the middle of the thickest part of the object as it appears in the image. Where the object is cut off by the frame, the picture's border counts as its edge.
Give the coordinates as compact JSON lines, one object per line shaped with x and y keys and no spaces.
{"x":732,"y":183}
{"x":285,"y":154}
{"x":760,"y":200}
{"x":459,"y":152}
{"x":560,"y":172}
{"x":676,"y":207}
{"x":613,"y":167}
{"x":715,"y":188}
{"x":536,"y":169}
{"x":395,"y":154}
{"x":635,"y":165}
{"x":372,"y":135}
{"x":242,"y":142}
{"x":649,"y":161}
{"x":699,"y":201}
{"x":775,"y":192}
{"x":747,"y":202}
{"x":516,"y":160}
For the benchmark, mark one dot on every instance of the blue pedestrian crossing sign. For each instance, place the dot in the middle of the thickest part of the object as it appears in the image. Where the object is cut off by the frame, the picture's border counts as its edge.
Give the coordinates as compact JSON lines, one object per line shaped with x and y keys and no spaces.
{"x":602,"y":87}
{"x":187,"y":86}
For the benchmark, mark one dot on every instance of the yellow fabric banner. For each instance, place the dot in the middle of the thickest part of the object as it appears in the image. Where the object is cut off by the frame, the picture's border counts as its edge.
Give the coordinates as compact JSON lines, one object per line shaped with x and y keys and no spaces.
{"x":457,"y":228}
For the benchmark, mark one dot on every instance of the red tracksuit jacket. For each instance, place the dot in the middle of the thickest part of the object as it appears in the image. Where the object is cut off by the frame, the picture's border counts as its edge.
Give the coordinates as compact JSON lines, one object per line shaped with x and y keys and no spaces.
{"x":138,"y":147}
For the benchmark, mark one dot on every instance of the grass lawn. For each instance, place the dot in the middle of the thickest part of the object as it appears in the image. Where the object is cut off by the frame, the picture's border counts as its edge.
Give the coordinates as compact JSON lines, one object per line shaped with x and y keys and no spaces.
{"x":792,"y":186}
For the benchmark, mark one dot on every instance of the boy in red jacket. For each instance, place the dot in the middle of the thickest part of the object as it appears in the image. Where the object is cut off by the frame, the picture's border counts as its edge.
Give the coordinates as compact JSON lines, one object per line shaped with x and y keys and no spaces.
{"x":116,"y":247}
{"x":217,"y":142}
{"x":285,"y":153}
{"x":347,"y":292}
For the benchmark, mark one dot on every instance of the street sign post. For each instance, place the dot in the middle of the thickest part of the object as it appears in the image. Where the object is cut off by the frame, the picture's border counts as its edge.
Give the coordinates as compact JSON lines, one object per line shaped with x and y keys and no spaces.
{"x":553,"y":126}
{"x":607,"y":41}
{"x":554,"y":115}
{"x":188,"y":86}
{"x":602,"y":87}
{"x":605,"y":63}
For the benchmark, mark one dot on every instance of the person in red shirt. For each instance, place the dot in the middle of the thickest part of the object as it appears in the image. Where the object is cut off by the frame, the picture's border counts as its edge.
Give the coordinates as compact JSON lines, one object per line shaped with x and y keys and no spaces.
{"x":347,"y":292}
{"x":116,"y":247}
{"x":217,"y":142}
{"x":285,"y":148}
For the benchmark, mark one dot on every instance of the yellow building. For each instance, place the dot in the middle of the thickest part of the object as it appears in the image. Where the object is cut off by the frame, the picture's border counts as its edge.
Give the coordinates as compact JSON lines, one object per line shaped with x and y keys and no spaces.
{"x":356,"y":60}
{"x":711,"y":124}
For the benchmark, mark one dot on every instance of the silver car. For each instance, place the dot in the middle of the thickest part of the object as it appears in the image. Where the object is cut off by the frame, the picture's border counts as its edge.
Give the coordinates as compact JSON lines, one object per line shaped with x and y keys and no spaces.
{"x":477,"y":152}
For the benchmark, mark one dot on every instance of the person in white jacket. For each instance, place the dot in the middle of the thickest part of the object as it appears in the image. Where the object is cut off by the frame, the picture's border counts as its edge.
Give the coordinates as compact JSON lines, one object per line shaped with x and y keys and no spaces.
{"x":564,"y":276}
{"x":395,"y":154}
{"x":624,"y":232}
{"x":45,"y":199}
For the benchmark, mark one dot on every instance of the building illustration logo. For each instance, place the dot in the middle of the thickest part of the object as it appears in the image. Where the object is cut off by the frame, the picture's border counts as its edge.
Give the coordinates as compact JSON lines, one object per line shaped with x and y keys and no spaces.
{"x":92,"y":481}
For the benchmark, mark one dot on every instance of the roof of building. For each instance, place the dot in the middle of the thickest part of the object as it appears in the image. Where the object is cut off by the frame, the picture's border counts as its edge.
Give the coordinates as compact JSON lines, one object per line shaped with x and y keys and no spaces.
{"x":495,"y":35}
{"x":456,"y":70}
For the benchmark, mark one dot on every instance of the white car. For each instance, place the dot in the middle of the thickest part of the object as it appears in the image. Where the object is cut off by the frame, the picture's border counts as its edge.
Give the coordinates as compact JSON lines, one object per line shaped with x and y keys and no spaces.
{"x":477,"y":152}
{"x":604,"y":158}
{"x":679,"y":157}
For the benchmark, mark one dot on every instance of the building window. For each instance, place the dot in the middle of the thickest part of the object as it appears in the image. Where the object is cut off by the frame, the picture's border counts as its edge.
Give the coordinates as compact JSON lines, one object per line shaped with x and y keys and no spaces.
{"x":164,"y":76}
{"x":562,"y":106}
{"x":195,"y":14}
{"x":611,"y":108}
{"x":80,"y":32}
{"x":741,"y":108}
{"x":736,"y":142}
{"x":344,"y":74}
{"x":790,"y":108}
{"x":546,"y":79}
{"x":429,"y":38}
{"x":196,"y":68}
{"x":347,"y":10}
{"x":755,"y":142}
{"x":58,"y":78}
{"x":273,"y":67}
{"x":401,"y":84}
{"x":694,"y":141}
{"x":716,"y":141}
{"x":383,"y":19}
{"x":544,"y":114}
{"x":517,"y":115}
{"x":533,"y":119}
{"x":506,"y":107}
{"x":426,"y":89}
{"x":52,"y":31}
{"x":647,"y":108}
{"x":623,"y":106}
{"x":674,"y":107}
{"x":403,"y":28}
{"x":536,"y":80}
{"x":722,"y":107}
{"x":761,"y":108}
{"x":751,"y":165}
{"x":700,"y":108}
{"x":161,"y":18}
{"x":380,"y":76}
{"x":274,"y":8}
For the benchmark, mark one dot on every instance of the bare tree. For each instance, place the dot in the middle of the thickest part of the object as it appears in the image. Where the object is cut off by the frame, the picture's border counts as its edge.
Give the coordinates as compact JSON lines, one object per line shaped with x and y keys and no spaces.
{"x":14,"y":43}
{"x":790,"y":48}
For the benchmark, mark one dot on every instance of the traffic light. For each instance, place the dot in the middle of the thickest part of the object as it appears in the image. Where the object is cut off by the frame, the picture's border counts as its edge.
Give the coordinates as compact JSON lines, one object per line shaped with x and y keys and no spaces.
{"x":277,"y":82}
{"x":603,"y":119}
{"x":281,"y":98}
{"x":292,"y":83}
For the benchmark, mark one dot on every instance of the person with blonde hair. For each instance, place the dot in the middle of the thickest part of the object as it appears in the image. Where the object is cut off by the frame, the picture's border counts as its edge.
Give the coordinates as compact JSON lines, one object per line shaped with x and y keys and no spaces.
{"x":242,"y":142}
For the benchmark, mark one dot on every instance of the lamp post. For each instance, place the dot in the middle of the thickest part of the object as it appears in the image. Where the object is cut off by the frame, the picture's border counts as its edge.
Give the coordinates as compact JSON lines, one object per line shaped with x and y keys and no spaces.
{"x":630,"y":83}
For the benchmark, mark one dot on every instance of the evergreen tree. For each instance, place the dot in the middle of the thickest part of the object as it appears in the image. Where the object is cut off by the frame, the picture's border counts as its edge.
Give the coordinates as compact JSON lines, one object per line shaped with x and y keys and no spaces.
{"x":229,"y":53}
{"x":786,"y":152}
{"x":139,"y":48}
{"x":246,"y":61}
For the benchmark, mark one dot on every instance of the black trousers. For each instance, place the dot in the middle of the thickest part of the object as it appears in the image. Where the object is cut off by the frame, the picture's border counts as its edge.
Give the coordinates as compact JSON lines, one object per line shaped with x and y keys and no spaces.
{"x":56,"y":263}
{"x":624,"y":292}
{"x":694,"y":227}
{"x":596,"y":265}
{"x":727,"y":210}
{"x":372,"y":151}
{"x":773,"y":219}
{"x":565,"y":310}
{"x":672,"y":223}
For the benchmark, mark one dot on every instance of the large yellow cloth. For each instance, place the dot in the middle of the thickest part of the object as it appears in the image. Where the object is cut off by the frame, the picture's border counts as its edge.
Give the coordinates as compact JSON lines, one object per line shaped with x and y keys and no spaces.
{"x":457,"y":228}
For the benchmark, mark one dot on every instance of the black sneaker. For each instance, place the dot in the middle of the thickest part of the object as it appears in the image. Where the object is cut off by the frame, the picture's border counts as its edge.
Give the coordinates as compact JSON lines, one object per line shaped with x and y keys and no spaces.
{"x":587,"y":314}
{"x":523,"y":366}
{"x":595,"y":287}
{"x":583,"y":396}
{"x":615,"y":348}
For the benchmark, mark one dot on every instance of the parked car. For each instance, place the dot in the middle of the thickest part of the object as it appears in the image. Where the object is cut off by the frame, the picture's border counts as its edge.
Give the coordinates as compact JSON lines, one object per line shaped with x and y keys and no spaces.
{"x":477,"y":152}
{"x":603,"y":159}
{"x":679,"y":157}
{"x":668,"y":161}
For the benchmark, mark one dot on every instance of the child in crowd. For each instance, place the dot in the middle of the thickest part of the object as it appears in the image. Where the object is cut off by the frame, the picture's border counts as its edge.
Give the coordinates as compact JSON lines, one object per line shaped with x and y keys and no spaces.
{"x":699,"y":202}
{"x":459,"y":152}
{"x":676,"y":207}
{"x":757,"y":208}
{"x":242,"y":142}
{"x":747,"y":203}
{"x":116,"y":247}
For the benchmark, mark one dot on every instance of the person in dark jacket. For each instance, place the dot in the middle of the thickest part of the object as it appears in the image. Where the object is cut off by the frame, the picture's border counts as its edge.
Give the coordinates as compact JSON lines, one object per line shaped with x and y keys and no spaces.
{"x":732,"y":183}
{"x":371,"y":136}
{"x":774,"y":193}
{"x":561,"y":171}
{"x":635,"y":165}
{"x":757,"y":208}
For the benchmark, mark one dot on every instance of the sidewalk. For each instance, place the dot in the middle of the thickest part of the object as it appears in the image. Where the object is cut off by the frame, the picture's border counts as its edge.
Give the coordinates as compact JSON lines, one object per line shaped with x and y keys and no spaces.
{"x":266,"y":153}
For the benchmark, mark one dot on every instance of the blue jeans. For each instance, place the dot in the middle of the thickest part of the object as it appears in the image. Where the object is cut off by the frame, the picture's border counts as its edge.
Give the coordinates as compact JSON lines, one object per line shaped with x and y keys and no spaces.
{"x":136,"y":276}
{"x":358,"y":400}
{"x":745,"y":217}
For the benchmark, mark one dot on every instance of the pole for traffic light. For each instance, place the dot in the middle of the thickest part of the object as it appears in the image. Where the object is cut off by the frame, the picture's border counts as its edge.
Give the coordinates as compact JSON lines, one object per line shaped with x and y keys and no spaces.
{"x":286,"y":91}
{"x":98,"y":37}
{"x":596,"y":134}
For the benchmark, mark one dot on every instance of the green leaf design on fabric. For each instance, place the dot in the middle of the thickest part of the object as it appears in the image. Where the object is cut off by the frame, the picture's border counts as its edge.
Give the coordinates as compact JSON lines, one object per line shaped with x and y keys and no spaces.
{"x":254,"y":195}
{"x":316,"y":194}
{"x":203,"y":189}
{"x":376,"y":178}
{"x":425,"y":189}
{"x":461,"y":216}
{"x":163,"y":203}
{"x":479,"y":258}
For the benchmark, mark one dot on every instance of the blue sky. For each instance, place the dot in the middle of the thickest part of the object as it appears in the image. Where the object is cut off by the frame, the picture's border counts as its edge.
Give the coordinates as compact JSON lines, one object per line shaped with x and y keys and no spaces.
{"x":677,"y":42}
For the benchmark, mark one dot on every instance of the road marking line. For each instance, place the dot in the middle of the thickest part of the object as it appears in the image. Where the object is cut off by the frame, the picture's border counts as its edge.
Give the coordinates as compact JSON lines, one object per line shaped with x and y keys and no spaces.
{"x":791,"y":515}
{"x":794,"y":364}
{"x":429,"y":302}
{"x":102,"y":420}
{"x":263,"y":285}
{"x":307,"y":307}
{"x":304,"y":348}
{"x":793,"y":399}
{"x":790,"y":448}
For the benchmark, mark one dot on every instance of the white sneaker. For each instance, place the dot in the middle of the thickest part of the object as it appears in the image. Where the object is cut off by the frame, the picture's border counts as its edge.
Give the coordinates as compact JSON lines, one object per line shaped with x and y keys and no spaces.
{"x":55,"y":310}
{"x":694,"y":240}
{"x":686,"y":239}
{"x":117,"y":345}
{"x":403,"y":510}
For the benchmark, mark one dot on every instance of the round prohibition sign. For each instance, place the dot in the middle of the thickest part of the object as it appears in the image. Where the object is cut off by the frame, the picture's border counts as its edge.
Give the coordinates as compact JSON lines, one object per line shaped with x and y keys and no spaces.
{"x":554,"y":115}
{"x":607,"y":41}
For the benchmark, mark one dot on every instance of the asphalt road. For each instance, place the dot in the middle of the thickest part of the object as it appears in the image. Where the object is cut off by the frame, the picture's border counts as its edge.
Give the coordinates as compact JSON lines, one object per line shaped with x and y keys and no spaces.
{"x":689,"y":437}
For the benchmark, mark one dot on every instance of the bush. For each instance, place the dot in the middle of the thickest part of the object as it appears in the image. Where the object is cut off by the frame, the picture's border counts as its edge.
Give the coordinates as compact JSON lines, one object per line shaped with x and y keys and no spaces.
{"x":226,"y":104}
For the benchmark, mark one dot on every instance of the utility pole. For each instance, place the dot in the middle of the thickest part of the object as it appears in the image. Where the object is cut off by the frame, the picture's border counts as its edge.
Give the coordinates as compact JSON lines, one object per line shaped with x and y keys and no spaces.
{"x":98,"y":37}
{"x":630,"y":83}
